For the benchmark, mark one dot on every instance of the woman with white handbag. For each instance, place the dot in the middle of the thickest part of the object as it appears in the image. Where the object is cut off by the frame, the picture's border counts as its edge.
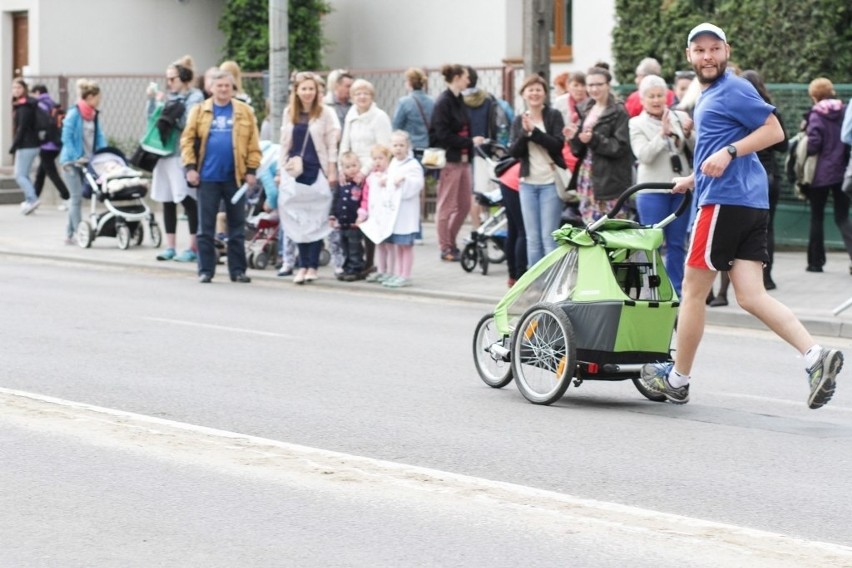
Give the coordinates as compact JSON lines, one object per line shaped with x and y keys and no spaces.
{"x":308,"y":165}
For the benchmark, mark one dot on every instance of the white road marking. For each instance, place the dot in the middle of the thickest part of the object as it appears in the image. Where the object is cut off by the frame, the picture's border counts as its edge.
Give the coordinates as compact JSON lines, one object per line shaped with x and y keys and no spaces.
{"x":282,"y":461}
{"x":219,"y":327}
{"x":830,"y":407}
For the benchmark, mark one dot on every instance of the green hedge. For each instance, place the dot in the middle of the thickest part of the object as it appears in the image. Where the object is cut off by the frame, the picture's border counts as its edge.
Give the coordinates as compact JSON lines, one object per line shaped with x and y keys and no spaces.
{"x":786,"y":41}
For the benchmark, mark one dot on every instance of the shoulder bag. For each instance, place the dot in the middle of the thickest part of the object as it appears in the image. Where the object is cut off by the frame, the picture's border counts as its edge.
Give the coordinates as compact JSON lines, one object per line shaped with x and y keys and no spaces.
{"x":433,"y":158}
{"x":295,"y":165}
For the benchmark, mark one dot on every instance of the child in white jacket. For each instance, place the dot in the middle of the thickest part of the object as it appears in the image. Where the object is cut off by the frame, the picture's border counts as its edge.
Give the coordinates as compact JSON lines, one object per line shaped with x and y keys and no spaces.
{"x":405,"y":174}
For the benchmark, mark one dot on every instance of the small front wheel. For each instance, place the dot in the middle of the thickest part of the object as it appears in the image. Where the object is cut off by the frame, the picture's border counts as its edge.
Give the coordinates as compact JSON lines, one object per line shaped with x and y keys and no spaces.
{"x":469,"y":257}
{"x":483,"y":261}
{"x":138,"y":234}
{"x":261,"y":260}
{"x":156,"y":235}
{"x":122,"y":234}
{"x":544,"y":353}
{"x":493,"y":370}
{"x":85,"y":235}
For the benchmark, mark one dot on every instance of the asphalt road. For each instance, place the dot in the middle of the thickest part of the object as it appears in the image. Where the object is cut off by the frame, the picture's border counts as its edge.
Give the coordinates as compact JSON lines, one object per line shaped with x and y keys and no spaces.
{"x":381,"y":378}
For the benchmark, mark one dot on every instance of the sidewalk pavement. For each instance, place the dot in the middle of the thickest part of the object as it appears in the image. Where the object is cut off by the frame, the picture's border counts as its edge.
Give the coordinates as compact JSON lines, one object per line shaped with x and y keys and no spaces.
{"x":811,"y":296}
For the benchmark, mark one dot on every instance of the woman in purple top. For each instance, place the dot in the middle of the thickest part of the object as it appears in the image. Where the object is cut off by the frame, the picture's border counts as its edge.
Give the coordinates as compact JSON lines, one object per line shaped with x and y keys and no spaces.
{"x":49,"y":152}
{"x":823,"y":128}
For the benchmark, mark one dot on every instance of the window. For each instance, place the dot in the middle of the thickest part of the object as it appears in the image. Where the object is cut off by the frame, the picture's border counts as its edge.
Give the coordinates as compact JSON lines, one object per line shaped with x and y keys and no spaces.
{"x":560,"y":46}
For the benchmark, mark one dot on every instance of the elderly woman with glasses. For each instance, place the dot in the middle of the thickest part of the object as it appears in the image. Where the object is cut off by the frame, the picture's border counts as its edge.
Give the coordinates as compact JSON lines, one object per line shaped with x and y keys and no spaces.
{"x":601,"y":143}
{"x":661,"y":139}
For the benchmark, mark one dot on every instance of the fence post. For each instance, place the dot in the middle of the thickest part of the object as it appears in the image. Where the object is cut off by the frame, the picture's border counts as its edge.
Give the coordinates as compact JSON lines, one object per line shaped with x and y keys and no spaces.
{"x":62,"y":94}
{"x":508,"y":84}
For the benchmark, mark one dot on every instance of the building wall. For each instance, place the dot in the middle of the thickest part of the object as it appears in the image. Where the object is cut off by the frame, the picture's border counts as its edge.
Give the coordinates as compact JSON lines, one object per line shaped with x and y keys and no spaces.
{"x":428,"y":33}
{"x":124,"y":36}
{"x":378,"y":34}
{"x":103,"y":37}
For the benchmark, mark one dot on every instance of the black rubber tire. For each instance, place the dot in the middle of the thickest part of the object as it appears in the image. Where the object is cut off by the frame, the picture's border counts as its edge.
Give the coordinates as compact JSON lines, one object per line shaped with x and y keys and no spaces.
{"x":261,"y":260}
{"x":650,"y":395}
{"x":469,"y":257}
{"x":495,"y":374}
{"x":544,"y":345}
{"x":483,"y":260}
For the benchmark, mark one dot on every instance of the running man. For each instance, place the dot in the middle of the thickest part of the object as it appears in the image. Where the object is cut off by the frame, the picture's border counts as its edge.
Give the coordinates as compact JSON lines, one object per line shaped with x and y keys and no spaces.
{"x":733,"y":123}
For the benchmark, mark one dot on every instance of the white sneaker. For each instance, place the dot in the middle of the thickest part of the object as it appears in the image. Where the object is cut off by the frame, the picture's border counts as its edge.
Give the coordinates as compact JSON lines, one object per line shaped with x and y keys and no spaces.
{"x":27,"y":208}
{"x":64,"y":205}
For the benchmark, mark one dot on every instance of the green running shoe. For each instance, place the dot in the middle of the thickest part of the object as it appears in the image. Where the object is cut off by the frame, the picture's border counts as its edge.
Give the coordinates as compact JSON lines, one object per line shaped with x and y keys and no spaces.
{"x":822,"y":377}
{"x":655,"y":377}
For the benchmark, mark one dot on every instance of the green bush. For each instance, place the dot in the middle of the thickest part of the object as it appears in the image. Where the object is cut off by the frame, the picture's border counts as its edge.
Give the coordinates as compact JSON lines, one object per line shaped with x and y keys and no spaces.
{"x":245,"y":24}
{"x":786,"y":41}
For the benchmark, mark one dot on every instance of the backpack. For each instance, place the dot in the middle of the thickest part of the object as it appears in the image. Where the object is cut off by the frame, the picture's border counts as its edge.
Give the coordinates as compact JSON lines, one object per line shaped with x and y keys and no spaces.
{"x":799,"y":166}
{"x":49,"y":123}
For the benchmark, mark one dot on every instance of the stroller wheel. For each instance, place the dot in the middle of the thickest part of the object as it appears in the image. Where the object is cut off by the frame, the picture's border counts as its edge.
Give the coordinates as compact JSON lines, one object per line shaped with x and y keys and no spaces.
{"x":544,"y":353}
{"x":494,"y":250}
{"x":469,"y":257}
{"x":483,"y":260}
{"x":138,"y":234}
{"x":494,"y":372}
{"x":85,"y":236}
{"x":122,"y":234}
{"x":156,"y":235}
{"x":324,"y":257}
{"x":261,"y":260}
{"x":250,"y":260}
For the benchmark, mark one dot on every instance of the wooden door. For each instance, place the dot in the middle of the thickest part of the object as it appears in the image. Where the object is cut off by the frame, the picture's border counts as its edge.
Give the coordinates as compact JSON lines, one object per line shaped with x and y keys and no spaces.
{"x":20,"y":43}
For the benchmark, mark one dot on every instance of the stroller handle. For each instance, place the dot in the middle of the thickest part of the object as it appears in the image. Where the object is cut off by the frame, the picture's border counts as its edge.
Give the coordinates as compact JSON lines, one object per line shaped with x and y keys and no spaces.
{"x":622,"y":199}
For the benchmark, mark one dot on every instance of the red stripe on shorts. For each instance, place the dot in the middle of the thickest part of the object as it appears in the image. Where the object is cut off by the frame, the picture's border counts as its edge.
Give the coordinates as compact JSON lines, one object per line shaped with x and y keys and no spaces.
{"x":702,"y":238}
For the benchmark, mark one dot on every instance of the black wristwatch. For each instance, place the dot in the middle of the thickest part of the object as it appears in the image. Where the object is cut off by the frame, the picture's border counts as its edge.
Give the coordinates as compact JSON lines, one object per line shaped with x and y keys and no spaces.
{"x":732,"y":150}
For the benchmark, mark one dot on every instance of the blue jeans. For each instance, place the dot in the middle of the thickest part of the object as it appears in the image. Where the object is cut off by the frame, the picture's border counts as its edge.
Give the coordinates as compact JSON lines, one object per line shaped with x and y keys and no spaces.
{"x":309,"y":254}
{"x":654,"y":207}
{"x":24,"y":158}
{"x":541,"y":209}
{"x":74,"y":182}
{"x":210,"y":195}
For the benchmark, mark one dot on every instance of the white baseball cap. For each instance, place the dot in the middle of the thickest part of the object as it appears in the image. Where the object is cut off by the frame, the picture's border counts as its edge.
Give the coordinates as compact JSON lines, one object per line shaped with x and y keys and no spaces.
{"x":706,"y":28}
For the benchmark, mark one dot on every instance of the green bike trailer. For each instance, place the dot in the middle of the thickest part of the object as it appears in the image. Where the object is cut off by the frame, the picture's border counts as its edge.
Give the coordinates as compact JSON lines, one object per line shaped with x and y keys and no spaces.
{"x":598,"y":307}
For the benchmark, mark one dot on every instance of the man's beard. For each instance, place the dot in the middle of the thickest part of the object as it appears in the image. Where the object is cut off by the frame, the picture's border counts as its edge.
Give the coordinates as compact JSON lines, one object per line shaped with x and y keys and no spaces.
{"x":705,"y":80}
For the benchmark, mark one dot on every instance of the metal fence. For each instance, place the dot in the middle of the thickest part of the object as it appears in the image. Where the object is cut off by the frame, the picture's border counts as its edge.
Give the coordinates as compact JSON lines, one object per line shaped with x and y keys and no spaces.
{"x":123,"y":99}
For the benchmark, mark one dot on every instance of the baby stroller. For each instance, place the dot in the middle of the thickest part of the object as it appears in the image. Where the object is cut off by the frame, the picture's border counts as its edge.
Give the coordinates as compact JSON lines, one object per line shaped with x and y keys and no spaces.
{"x":109,"y":180}
{"x":599,"y":307}
{"x":485,"y":245}
{"x":262,"y":247}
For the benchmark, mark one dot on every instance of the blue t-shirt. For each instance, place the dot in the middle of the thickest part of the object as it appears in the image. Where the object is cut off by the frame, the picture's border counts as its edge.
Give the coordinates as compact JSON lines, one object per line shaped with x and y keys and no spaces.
{"x":219,"y":155}
{"x":727,"y":111}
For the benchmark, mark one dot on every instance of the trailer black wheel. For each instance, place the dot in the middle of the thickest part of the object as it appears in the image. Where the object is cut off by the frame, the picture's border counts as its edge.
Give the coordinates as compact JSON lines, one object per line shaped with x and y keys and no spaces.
{"x":494,"y":371}
{"x":544,"y":353}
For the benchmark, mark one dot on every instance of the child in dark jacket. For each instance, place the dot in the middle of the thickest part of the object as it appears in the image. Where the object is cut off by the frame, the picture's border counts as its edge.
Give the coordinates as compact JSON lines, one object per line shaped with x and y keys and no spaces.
{"x":346,"y":214}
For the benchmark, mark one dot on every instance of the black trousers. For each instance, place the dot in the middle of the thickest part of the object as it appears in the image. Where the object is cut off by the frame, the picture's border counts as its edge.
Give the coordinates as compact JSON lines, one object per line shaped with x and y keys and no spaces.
{"x":516,"y":236}
{"x":818,"y":197}
{"x":47,"y":167}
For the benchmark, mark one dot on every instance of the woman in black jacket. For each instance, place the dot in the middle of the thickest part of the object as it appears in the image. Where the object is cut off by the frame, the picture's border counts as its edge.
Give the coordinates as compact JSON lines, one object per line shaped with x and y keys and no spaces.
{"x":451,"y":131}
{"x":536,"y":139}
{"x":601,"y":143}
{"x":26,"y":144}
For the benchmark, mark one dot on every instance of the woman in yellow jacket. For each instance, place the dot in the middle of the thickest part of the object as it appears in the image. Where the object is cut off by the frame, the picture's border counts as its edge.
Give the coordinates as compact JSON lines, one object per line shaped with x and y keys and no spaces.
{"x":220,"y":148}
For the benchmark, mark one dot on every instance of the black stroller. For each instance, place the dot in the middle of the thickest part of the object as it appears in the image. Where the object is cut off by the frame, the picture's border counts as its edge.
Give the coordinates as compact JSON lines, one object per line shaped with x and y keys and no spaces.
{"x":486,"y":245}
